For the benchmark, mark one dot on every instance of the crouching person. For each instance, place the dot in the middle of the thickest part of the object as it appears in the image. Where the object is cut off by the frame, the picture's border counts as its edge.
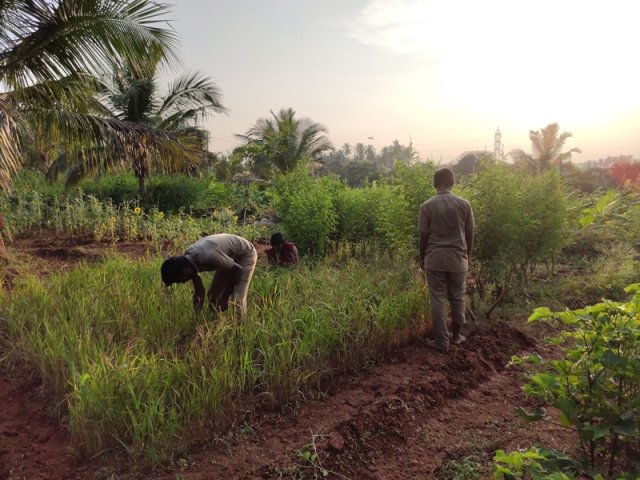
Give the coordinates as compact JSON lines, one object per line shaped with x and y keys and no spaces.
{"x":282,"y":253}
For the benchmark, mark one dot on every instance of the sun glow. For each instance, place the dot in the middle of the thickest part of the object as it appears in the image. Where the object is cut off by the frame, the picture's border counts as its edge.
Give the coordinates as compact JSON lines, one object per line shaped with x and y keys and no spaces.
{"x":528,"y":64}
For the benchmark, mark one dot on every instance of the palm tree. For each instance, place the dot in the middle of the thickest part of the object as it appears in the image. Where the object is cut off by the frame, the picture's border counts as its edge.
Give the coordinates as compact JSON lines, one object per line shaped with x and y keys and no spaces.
{"x":346,"y":149}
{"x":51,"y":51}
{"x":286,"y":140}
{"x":188,"y":100}
{"x":546,"y":145}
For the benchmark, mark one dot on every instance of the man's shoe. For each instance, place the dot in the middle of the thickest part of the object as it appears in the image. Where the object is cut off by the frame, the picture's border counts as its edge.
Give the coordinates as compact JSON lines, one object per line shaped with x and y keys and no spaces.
{"x":436,"y":346}
{"x":458,"y":339}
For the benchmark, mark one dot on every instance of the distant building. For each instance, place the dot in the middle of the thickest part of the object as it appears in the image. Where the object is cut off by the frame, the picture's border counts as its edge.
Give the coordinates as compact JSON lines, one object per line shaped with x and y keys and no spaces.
{"x":498,"y":148}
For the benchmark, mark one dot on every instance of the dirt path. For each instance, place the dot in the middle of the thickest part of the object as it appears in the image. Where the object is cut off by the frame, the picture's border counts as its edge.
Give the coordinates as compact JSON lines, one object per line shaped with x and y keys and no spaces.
{"x":414,"y":414}
{"x":418,"y":414}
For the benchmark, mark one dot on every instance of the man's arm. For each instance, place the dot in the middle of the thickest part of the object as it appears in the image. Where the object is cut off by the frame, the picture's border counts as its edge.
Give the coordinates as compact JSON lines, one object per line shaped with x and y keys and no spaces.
{"x":424,"y":239}
{"x":198,"y":292}
{"x":469,"y":227}
{"x":295,"y":258}
{"x":423,"y":227}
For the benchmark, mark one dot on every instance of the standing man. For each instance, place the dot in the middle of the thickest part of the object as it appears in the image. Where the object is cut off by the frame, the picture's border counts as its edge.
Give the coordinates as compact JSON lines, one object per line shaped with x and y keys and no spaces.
{"x":282,"y":253}
{"x":446,"y":241}
{"x":233,"y":259}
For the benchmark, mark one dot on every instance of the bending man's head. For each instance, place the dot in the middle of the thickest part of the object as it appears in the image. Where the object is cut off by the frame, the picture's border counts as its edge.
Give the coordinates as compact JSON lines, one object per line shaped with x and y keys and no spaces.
{"x":176,"y":270}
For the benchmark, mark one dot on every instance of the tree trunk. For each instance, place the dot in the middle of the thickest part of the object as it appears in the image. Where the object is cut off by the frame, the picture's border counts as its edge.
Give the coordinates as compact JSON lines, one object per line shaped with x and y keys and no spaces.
{"x":142,"y":186}
{"x":3,"y":251}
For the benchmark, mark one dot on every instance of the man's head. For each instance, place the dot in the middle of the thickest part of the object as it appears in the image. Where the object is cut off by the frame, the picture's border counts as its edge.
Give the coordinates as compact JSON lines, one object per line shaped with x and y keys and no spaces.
{"x":277,"y":240}
{"x":176,"y":270}
{"x":443,"y":179}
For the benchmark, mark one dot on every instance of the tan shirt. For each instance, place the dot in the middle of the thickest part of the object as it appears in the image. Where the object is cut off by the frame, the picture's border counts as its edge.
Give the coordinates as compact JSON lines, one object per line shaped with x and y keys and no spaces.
{"x":218,"y":252}
{"x":449,"y":220}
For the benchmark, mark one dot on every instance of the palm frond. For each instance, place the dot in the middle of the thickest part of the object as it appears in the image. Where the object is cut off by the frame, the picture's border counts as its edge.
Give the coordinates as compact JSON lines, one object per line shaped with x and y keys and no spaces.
{"x":192,"y":92}
{"x":51,"y":40}
{"x":10,"y":158}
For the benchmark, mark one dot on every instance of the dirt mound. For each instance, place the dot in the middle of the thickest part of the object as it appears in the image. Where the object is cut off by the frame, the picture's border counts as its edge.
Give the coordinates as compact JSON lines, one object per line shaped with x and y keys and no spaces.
{"x":412,"y":385}
{"x":367,"y":425}
{"x":393,"y":419}
{"x":32,"y":445}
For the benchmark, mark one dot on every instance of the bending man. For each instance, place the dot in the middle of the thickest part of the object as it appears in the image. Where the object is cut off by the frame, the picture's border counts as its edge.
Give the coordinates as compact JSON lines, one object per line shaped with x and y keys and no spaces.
{"x":233,"y":259}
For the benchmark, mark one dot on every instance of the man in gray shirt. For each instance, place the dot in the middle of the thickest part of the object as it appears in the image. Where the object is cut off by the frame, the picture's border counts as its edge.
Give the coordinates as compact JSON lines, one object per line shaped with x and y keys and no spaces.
{"x":446,"y":240}
{"x":233,"y":259}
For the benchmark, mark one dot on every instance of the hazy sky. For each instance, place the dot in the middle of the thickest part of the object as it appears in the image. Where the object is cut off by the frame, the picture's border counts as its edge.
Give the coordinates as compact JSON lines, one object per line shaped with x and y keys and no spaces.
{"x":443,"y":73}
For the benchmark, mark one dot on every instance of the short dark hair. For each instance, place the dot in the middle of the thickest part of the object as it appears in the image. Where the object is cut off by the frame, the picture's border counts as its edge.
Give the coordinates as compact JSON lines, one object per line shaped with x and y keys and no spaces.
{"x":172,"y":268}
{"x":277,"y":239}
{"x":443,"y":178}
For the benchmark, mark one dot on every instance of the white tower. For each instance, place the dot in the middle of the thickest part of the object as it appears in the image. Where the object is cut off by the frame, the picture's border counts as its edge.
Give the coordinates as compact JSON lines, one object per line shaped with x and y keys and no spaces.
{"x":498,"y":149}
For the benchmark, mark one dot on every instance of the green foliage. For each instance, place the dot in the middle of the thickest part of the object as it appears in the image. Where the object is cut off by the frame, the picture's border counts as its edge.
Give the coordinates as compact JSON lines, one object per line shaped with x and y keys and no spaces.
{"x":596,"y":386}
{"x":284,"y":141}
{"x":118,"y":188}
{"x":306,"y":207}
{"x":612,"y":216}
{"x":132,"y":366}
{"x":172,"y":193}
{"x":356,"y":215}
{"x":533,"y":464}
{"x":395,"y":222}
{"x":520,"y":222}
{"x":164,"y":192}
{"x":416,"y":182}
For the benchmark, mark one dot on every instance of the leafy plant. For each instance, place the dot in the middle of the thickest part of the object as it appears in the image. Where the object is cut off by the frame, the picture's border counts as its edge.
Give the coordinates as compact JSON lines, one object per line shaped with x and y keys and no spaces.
{"x":306,"y":208}
{"x":596,"y":386}
{"x":533,"y":464}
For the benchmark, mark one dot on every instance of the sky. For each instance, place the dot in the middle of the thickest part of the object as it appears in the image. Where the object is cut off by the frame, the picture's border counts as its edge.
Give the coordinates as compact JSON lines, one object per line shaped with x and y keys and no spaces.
{"x":442,"y":74}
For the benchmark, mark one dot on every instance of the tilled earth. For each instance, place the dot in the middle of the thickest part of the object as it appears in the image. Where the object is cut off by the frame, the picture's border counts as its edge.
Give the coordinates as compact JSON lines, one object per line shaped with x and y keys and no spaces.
{"x":412,"y":414}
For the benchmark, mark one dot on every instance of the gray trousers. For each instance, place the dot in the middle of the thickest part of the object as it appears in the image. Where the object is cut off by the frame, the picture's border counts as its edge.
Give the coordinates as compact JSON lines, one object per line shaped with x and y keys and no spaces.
{"x":239,"y":295}
{"x":445,"y":286}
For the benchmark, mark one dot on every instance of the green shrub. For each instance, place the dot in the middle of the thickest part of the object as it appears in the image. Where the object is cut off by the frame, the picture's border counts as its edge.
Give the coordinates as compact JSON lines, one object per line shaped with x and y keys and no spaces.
{"x":396,"y":223}
{"x":596,"y":386}
{"x":168,"y":193}
{"x":306,"y":207}
{"x":178,"y":192}
{"x":119,"y":188}
{"x":521,"y":221}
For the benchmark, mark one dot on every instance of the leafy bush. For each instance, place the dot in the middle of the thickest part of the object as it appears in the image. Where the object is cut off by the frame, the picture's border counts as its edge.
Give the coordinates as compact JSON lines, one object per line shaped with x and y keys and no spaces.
{"x":534,"y":464}
{"x":596,"y":386}
{"x":521,"y":221}
{"x":356,"y":215}
{"x":306,"y":207}
{"x":118,"y":188}
{"x":173,"y":193}
{"x":396,"y":223}
{"x":168,"y":193}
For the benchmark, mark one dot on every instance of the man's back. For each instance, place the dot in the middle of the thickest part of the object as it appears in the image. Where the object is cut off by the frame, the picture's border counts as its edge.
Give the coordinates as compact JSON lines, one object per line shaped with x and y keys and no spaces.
{"x":218,"y":251}
{"x":448,"y":219}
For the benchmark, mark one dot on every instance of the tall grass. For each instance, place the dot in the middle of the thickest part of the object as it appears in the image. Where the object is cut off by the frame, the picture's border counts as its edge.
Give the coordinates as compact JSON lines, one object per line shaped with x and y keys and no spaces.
{"x":31,"y":213}
{"x":130,"y":365}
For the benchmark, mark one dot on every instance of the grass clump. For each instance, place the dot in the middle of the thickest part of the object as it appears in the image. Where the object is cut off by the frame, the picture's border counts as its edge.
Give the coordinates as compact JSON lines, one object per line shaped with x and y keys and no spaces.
{"x":132,"y":366}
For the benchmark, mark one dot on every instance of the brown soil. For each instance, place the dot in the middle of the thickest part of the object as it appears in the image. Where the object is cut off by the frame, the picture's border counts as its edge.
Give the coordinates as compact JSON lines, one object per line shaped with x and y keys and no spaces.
{"x":414,"y":413}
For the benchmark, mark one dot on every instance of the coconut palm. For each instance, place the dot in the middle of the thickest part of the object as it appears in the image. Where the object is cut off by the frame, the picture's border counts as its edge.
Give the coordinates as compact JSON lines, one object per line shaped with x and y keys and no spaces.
{"x":50,"y":53}
{"x":285,"y":140}
{"x":546,"y":146}
{"x":132,"y":98}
